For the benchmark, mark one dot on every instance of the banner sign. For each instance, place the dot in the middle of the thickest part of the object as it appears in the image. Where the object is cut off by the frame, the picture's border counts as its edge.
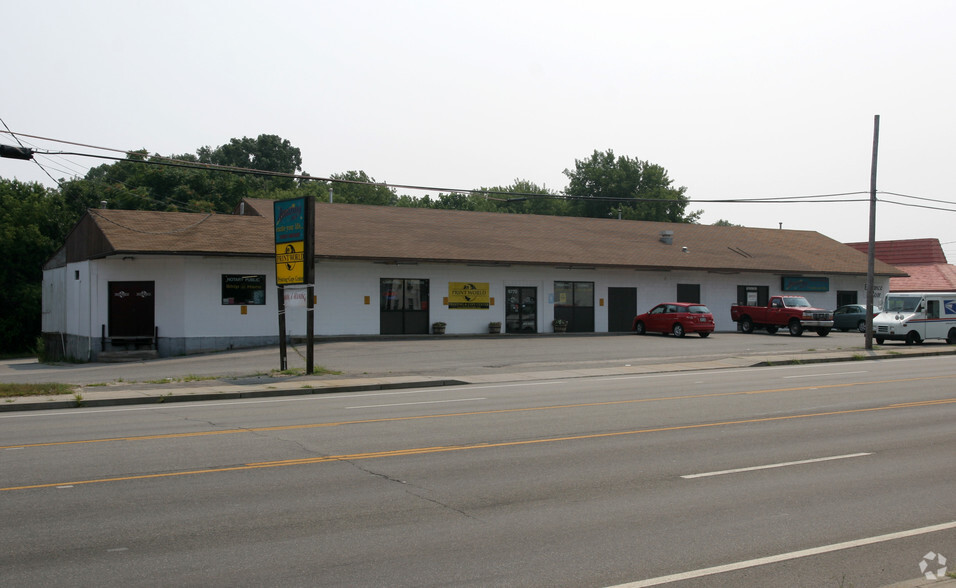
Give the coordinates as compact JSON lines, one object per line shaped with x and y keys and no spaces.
{"x":468,"y":295}
{"x":296,"y":297}
{"x":805,"y":284}
{"x":293,"y":241}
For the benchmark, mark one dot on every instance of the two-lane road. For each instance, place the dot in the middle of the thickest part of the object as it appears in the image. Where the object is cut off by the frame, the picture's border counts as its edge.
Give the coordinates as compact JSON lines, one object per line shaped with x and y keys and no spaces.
{"x":835,"y":474}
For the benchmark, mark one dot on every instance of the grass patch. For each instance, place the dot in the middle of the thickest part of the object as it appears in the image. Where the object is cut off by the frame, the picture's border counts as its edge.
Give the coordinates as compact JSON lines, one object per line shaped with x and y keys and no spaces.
{"x":188,"y":378}
{"x":11,"y":390}
{"x":316,"y":371}
{"x":857,"y":357}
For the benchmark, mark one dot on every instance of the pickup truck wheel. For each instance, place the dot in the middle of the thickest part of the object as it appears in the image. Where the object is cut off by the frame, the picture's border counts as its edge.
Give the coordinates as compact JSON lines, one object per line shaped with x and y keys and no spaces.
{"x":912,"y":338}
{"x":823,"y":332}
{"x":796,"y":329}
{"x":678,"y":330}
{"x":639,"y":328}
{"x":771,"y":329}
{"x":879,"y":340}
{"x":746,"y":325}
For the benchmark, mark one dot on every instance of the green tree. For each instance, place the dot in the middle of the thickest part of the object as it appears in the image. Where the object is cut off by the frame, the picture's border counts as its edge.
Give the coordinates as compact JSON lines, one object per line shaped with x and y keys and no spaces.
{"x":153,"y":182}
{"x":634,"y":189}
{"x":528,"y":198}
{"x":33,"y":224}
{"x":265,"y":152}
{"x":356,"y":187}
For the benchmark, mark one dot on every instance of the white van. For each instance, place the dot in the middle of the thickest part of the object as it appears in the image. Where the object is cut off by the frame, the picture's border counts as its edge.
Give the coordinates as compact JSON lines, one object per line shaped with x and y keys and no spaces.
{"x":915,"y":316}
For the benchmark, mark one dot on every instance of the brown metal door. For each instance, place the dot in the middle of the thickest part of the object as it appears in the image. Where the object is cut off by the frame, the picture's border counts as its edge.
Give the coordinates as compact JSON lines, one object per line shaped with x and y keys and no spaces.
{"x":132,"y":309}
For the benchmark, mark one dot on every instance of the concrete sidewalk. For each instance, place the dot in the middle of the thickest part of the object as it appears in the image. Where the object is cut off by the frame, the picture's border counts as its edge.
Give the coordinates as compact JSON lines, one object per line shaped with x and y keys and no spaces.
{"x":127,"y":393}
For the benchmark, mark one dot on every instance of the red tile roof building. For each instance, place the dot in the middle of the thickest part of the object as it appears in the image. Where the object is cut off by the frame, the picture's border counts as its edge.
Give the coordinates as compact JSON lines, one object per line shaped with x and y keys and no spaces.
{"x":922,"y":259}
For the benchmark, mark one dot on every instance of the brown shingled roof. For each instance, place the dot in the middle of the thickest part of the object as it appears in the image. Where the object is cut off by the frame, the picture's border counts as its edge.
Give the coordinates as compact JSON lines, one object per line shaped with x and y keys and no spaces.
{"x":382,"y":233}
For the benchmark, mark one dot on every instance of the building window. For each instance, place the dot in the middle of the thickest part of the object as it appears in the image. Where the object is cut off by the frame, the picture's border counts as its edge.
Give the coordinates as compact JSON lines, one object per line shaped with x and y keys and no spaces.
{"x":845,"y":297}
{"x":753,"y":295}
{"x":243,"y":290}
{"x":688,"y":293}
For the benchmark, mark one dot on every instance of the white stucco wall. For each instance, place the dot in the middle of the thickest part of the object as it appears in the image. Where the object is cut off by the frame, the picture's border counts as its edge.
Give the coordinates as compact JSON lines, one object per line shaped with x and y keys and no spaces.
{"x":190,"y":312}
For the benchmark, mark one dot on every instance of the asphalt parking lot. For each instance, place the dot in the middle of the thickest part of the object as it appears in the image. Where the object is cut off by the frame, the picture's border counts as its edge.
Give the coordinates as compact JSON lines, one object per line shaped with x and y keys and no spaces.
{"x":459,"y":356}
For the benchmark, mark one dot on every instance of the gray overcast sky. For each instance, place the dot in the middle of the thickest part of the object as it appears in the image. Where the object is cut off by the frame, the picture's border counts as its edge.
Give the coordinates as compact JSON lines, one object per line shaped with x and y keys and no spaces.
{"x":735,"y":99}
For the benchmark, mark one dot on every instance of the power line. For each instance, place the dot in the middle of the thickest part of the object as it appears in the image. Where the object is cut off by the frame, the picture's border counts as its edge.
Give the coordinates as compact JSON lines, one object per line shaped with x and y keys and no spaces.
{"x":21,"y":145}
{"x":144,"y":158}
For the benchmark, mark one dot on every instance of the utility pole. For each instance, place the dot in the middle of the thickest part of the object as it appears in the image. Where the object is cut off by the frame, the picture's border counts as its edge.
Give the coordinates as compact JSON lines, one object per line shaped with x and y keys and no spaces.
{"x":871,"y":249}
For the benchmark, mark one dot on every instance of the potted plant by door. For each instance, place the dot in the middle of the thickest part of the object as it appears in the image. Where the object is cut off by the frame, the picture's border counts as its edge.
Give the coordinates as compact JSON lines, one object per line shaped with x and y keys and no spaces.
{"x":438,"y":328}
{"x":560,"y":325}
{"x":494,"y":327}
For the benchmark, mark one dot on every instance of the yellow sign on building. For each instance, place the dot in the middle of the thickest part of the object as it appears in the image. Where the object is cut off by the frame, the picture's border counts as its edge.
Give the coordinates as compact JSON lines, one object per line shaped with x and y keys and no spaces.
{"x":290,"y":263}
{"x":468,"y":295}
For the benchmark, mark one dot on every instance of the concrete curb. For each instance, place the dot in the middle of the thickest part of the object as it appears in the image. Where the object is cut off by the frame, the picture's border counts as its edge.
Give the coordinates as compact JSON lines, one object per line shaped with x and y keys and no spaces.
{"x":303,"y":385}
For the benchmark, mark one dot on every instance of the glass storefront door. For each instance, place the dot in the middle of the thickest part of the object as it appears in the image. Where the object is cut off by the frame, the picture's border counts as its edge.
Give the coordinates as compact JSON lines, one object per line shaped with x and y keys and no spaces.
{"x":521,"y":314}
{"x":574,"y":302}
{"x":403,"y":306}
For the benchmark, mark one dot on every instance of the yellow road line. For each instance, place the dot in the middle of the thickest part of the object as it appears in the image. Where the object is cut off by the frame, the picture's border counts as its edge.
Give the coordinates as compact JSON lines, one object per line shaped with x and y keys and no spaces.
{"x":461,"y":414}
{"x":446,"y":448}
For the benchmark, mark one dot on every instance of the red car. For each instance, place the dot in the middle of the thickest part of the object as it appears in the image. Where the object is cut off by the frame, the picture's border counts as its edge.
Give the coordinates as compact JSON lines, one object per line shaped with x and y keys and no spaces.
{"x":679,"y":318}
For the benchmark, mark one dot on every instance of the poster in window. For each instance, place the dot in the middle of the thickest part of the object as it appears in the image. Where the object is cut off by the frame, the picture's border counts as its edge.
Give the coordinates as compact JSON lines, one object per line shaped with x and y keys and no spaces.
{"x":246,"y":290}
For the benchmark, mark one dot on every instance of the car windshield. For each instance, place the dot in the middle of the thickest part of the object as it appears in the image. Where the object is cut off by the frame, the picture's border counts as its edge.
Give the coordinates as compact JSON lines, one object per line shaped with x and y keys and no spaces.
{"x":698,"y":309}
{"x":795,"y":302}
{"x":901,"y":303}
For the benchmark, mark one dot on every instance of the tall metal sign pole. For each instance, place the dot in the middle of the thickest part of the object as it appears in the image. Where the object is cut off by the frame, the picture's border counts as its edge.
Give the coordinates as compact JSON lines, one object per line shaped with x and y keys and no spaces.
{"x":295,"y":265}
{"x":871,"y":249}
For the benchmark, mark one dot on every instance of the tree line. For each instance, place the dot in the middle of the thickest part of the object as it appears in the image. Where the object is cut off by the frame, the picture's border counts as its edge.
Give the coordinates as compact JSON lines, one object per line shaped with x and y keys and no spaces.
{"x":35,"y":220}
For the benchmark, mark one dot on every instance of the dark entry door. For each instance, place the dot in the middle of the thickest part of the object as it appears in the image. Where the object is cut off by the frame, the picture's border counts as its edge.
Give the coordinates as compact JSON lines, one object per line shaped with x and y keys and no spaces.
{"x":403,"y":306}
{"x":621,"y":309}
{"x":522,"y":310}
{"x":132,"y":309}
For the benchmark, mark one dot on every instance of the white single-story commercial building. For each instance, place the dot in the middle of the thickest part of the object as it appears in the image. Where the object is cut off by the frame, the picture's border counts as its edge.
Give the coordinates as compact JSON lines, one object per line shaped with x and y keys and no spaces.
{"x":185,"y":283}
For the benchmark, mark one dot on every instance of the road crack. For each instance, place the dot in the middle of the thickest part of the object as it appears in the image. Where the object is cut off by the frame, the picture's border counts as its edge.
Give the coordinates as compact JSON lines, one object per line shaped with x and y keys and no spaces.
{"x":413,"y":490}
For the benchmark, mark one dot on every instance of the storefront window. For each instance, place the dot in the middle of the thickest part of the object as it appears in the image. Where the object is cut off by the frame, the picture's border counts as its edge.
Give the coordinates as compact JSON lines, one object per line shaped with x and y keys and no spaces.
{"x":574,"y":302}
{"x":244,"y":290}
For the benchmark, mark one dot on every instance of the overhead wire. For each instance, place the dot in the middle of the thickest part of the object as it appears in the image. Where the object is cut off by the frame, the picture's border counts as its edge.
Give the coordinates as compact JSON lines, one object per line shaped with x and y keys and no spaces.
{"x":22,"y":145}
{"x":141,"y":157}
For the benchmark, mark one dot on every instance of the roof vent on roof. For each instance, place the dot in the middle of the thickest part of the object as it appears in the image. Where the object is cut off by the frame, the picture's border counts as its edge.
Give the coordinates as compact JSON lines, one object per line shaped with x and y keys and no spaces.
{"x":667,"y":237}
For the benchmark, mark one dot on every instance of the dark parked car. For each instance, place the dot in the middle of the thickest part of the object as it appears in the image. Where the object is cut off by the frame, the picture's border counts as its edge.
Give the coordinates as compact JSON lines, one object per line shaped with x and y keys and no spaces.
{"x":678,"y":318}
{"x":851,"y":317}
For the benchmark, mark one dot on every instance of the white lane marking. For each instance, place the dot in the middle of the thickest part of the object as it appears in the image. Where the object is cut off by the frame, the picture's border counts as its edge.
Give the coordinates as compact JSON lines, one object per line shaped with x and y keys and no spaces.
{"x":752,"y":563}
{"x":414,"y":403}
{"x":823,"y":375}
{"x":774,"y":465}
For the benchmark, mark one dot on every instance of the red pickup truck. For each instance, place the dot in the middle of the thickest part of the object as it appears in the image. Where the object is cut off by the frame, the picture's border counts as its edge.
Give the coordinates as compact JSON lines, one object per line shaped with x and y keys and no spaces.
{"x":791,"y":312}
